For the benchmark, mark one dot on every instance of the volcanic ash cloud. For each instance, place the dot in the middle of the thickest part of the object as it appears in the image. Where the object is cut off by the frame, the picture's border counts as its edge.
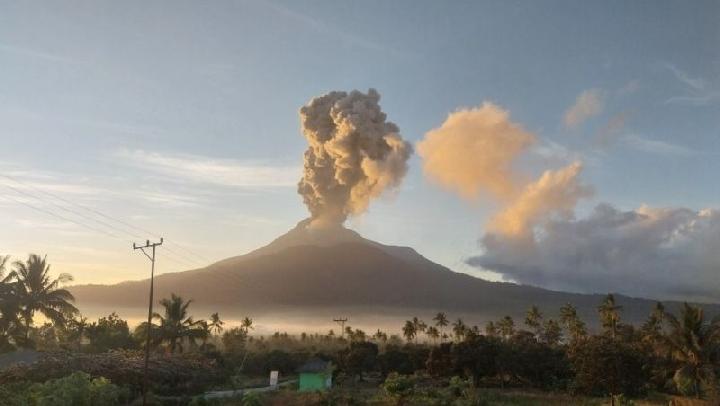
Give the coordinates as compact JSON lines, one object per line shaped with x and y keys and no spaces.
{"x":354,"y":155}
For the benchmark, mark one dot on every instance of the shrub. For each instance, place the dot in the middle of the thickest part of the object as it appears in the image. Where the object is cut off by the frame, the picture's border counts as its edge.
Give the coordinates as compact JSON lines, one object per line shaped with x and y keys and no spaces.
{"x":78,"y":389}
{"x":171,"y":375}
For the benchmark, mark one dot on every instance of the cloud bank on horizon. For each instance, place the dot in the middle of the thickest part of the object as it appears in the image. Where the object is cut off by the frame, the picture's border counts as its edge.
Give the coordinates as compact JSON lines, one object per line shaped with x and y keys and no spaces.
{"x":535,"y":238}
{"x":354,"y":155}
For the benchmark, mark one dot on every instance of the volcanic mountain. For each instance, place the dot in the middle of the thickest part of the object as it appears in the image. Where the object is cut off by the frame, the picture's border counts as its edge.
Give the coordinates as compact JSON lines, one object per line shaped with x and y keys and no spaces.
{"x":334,"y":271}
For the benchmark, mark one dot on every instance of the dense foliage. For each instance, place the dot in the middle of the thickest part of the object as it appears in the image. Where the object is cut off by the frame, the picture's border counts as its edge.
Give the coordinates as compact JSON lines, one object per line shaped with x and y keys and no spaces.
{"x":441,"y":362}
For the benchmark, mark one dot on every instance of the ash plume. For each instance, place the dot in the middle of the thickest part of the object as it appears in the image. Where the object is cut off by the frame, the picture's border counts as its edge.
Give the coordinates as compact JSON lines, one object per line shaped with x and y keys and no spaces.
{"x":354,"y":155}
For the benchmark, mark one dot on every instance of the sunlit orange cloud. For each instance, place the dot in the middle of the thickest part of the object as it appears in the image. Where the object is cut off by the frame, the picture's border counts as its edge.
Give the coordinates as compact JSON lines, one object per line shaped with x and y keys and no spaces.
{"x":472,"y":152}
{"x":555,"y":192}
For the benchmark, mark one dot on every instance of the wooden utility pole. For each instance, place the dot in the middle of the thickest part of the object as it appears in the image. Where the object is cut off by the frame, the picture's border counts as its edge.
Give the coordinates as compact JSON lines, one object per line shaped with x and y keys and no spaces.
{"x":142,"y":248}
{"x":341,"y":322}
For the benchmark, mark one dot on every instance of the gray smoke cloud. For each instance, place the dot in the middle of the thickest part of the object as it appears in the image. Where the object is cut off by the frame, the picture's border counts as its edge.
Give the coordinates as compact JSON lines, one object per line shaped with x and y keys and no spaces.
{"x":354,"y":155}
{"x":665,"y":253}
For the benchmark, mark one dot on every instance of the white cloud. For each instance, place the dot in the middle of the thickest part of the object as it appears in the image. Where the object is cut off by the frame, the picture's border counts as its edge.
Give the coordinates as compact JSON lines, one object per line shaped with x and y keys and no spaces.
{"x":698,"y":91}
{"x":656,"y":146}
{"x":200,"y":169}
{"x":667,"y":253}
{"x":588,"y":104}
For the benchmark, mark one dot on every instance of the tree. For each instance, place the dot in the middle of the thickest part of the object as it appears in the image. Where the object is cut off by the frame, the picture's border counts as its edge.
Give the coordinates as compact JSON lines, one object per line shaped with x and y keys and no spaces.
{"x":361,"y":356}
{"x":506,"y":326}
{"x":534,"y":320}
{"x":692,"y":341}
{"x":441,"y":321}
{"x":216,"y":325}
{"x":109,"y":333}
{"x":610,"y":315}
{"x":11,"y":329}
{"x":491,"y":329}
{"x":175,"y":324}
{"x":459,"y":329}
{"x":551,"y":332}
{"x":380,"y":336}
{"x":37,"y":292}
{"x":433,"y":333}
{"x":606,"y":366}
{"x":409,"y":330}
{"x":247,"y":324}
{"x":570,"y":320}
{"x":420,"y":325}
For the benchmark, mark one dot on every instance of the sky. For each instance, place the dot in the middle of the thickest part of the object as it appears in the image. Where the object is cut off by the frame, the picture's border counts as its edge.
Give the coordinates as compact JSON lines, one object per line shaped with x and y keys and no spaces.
{"x":181,"y":119}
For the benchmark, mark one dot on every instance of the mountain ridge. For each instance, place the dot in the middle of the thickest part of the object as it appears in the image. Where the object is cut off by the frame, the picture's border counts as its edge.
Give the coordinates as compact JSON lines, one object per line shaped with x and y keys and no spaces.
{"x":322,"y":270}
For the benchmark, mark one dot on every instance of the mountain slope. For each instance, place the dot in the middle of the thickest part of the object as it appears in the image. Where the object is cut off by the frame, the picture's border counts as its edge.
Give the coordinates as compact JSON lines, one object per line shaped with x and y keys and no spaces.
{"x":339,"y":269}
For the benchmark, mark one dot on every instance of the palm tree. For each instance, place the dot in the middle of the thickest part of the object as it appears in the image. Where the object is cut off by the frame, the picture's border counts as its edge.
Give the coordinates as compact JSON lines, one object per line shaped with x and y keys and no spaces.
{"x":433,"y":333}
{"x":380,"y":336}
{"x":441,"y":321}
{"x":506,"y":326}
{"x":652,"y":329}
{"x":610,"y":314}
{"x":551,"y":333}
{"x":247,"y":324}
{"x":491,"y":329}
{"x":10,"y":324}
{"x":459,"y":329}
{"x":692,"y":341}
{"x":409,"y":330}
{"x":175,"y":324}
{"x":534,"y":320}
{"x":571,"y":321}
{"x":205,"y":332}
{"x":38,"y":292}
{"x":420,"y":325}
{"x":216,"y":325}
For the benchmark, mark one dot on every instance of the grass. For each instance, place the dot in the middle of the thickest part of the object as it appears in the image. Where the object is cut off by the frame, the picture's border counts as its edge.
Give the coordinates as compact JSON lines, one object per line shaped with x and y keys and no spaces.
{"x":485,"y":397}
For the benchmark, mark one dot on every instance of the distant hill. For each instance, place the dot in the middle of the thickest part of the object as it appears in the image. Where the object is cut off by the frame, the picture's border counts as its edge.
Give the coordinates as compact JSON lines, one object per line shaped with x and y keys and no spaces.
{"x":322,"y":272}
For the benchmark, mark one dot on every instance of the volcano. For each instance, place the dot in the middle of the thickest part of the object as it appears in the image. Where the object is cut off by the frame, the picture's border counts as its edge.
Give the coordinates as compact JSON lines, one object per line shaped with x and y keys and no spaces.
{"x":332,"y":271}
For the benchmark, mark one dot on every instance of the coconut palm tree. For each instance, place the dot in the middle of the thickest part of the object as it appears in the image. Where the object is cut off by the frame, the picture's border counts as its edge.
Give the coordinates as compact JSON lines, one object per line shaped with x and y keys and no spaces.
{"x":10,"y":323}
{"x":409,"y":330}
{"x":247,"y":324}
{"x":506,"y":326}
{"x":420,"y":325}
{"x":380,"y":336}
{"x":574,"y":327}
{"x":433,"y":333}
{"x":691,"y":341}
{"x":441,"y":321}
{"x":534,"y":320}
{"x":175,"y":324}
{"x":216,"y":325}
{"x":38,"y":292}
{"x":459,"y":329}
{"x":610,"y":314}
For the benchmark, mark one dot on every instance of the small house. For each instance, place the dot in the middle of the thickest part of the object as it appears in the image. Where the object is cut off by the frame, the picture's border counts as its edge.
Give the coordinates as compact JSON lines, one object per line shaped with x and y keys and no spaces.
{"x":315,"y":375}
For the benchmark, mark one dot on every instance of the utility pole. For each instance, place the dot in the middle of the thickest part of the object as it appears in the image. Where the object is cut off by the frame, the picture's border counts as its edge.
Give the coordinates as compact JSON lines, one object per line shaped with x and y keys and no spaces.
{"x":142,"y":248}
{"x":341,"y":322}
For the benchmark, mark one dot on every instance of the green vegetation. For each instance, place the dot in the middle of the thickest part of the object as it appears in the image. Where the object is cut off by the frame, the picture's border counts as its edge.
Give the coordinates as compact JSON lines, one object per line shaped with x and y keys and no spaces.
{"x":538,"y":361}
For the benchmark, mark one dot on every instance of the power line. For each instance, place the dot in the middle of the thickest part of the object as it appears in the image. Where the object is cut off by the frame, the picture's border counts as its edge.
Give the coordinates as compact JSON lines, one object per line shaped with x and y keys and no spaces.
{"x":99,"y":213}
{"x":79,"y":223}
{"x":191,"y":261}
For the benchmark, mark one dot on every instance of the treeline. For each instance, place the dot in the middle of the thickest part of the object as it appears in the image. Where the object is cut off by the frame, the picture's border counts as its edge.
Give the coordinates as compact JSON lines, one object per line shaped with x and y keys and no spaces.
{"x":669,"y":353}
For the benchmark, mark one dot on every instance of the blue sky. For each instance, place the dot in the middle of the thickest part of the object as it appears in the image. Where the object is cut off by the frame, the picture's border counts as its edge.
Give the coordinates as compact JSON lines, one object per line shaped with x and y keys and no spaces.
{"x":182,"y":117}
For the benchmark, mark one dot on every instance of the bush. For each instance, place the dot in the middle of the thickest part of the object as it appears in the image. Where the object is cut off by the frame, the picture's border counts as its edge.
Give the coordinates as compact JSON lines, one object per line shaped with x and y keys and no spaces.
{"x":77,"y":389}
{"x":169,"y":375}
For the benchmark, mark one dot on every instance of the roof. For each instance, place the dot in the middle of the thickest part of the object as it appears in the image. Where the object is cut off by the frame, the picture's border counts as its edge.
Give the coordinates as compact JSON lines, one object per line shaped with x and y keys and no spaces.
{"x":315,"y":365}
